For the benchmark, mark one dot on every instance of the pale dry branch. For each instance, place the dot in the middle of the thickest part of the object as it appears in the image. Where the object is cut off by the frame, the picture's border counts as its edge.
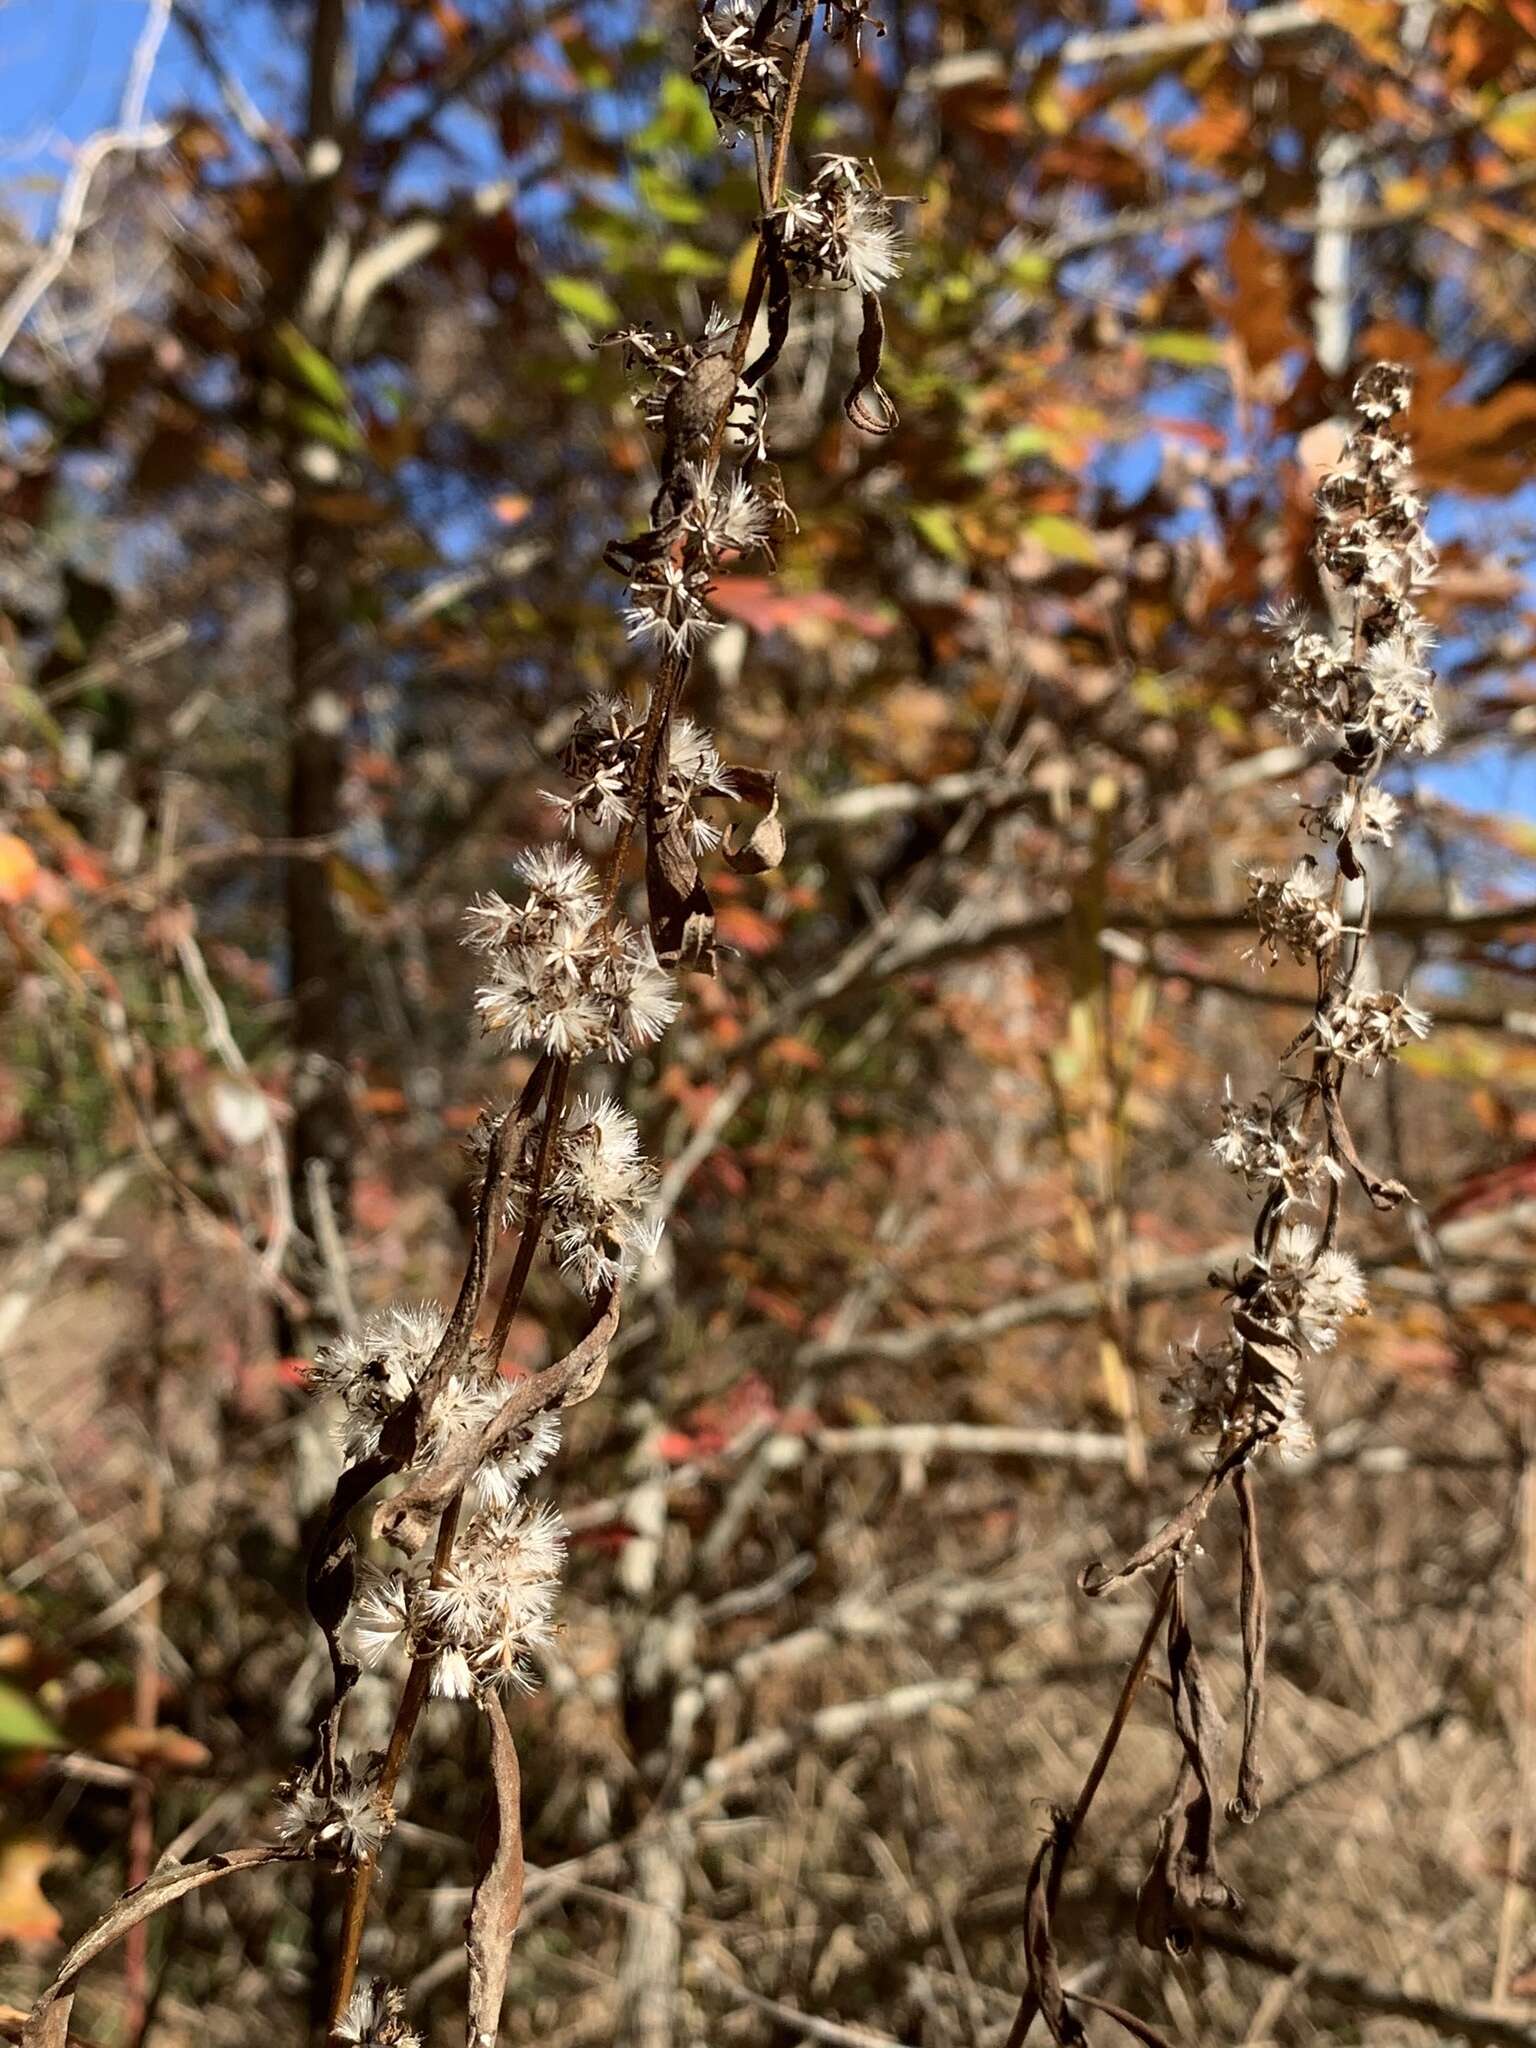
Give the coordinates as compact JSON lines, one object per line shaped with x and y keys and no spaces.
{"x":131,"y":136}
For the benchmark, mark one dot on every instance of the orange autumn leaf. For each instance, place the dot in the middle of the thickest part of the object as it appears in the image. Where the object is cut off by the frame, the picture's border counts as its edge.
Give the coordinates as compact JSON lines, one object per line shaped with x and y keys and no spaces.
{"x":18,"y":869}
{"x":746,"y":929}
{"x":27,"y":1916}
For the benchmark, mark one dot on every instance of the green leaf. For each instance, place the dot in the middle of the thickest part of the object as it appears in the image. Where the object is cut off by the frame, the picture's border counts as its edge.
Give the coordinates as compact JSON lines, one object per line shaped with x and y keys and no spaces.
{"x":1067,"y":539}
{"x":23,"y":1724}
{"x":686,"y":259}
{"x":1153,"y":694}
{"x":31,"y":710}
{"x":1198,"y":351}
{"x":682,"y":120}
{"x":936,"y":525}
{"x":668,"y":197}
{"x":584,"y":300}
{"x":1019,"y":443}
{"x":320,"y":423}
{"x":1028,"y":269}
{"x":311,"y":368}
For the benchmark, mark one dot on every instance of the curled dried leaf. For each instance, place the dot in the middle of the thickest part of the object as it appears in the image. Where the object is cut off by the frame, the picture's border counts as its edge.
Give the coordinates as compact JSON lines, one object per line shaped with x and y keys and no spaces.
{"x":682,"y":912}
{"x":1382,"y":1194}
{"x":869,"y":405}
{"x":1184,"y":1880}
{"x":1128,"y":2022}
{"x":1253,"y":1607}
{"x":1094,"y":1579}
{"x":406,"y":1519}
{"x":497,"y":1904}
{"x":48,"y":2023}
{"x":1044,"y":1974}
{"x":763,"y":847}
{"x":779,"y":299}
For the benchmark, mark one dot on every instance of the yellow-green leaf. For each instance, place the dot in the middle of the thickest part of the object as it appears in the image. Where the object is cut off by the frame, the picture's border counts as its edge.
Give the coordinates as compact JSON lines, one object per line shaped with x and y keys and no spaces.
{"x":584,"y":300}
{"x":23,"y":1724}
{"x":1067,"y":539}
{"x":319,"y":423}
{"x":311,"y":367}
{"x":1197,"y":351}
{"x":936,"y":525}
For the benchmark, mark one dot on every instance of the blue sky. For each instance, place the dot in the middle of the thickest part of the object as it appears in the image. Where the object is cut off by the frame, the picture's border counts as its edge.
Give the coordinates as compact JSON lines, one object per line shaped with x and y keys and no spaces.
{"x":63,"y":64}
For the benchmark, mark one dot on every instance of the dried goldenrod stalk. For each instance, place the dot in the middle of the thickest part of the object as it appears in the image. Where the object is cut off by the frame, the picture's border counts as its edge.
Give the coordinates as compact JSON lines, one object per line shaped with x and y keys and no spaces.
{"x":1363,"y":677}
{"x":421,"y":1402}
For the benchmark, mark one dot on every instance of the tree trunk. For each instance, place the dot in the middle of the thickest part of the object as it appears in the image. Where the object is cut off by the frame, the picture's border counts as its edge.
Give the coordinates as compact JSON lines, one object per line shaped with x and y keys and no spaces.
{"x":318,"y":572}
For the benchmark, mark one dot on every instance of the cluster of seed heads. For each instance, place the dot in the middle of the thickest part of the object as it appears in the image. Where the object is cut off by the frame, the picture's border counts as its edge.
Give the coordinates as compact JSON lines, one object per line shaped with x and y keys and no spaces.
{"x":483,"y":1616}
{"x":375,"y":2018}
{"x":567,"y":978}
{"x":564,"y":978}
{"x":1365,"y":679}
{"x":602,"y":755}
{"x":839,"y":231}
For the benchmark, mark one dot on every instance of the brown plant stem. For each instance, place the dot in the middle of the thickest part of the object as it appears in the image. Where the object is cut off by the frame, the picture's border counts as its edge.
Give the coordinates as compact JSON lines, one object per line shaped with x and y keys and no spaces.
{"x":1029,"y":2005}
{"x":673,"y":674}
{"x":533,"y":1225}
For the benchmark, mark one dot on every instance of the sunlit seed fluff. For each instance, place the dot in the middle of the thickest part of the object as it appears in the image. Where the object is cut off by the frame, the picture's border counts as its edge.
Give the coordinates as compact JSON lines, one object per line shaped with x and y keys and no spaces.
{"x":452,"y":1677}
{"x":535,"y":1004}
{"x":666,"y":609}
{"x":375,"y":2018}
{"x":379,"y":1618}
{"x":1400,"y":705}
{"x":375,"y":1368}
{"x":1364,"y":1027}
{"x":1264,"y":1142}
{"x":489,"y":922}
{"x":1383,"y":391}
{"x":558,"y":880}
{"x":644,"y":996}
{"x":725,"y":516}
{"x":871,"y":247}
{"x":1294,"y":913}
{"x":461,"y":1409}
{"x":564,"y":980}
{"x":1332,"y":1290}
{"x":1202,"y":1384}
{"x":521,"y":1455}
{"x":493,"y":1606}
{"x":1370,"y":816}
{"x":348,"y":1823}
{"x":1312,"y":681}
{"x":599,"y":1194}
{"x":1289,"y":1435}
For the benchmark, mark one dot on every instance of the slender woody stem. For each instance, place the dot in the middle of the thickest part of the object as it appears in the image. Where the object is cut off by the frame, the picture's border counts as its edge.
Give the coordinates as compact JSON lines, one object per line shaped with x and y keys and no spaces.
{"x":1029,"y":2005}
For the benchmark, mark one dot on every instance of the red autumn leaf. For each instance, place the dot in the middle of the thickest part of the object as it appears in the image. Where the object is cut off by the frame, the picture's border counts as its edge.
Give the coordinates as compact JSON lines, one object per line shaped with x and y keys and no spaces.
{"x":738,"y":925}
{"x":767,"y":609}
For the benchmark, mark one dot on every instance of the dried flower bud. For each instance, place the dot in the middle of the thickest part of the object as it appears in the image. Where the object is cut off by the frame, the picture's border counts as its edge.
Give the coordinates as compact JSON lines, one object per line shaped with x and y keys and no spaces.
{"x":1383,"y":391}
{"x":375,"y":2018}
{"x":1294,"y":912}
{"x":1365,"y":1027}
{"x":348,"y":1823}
